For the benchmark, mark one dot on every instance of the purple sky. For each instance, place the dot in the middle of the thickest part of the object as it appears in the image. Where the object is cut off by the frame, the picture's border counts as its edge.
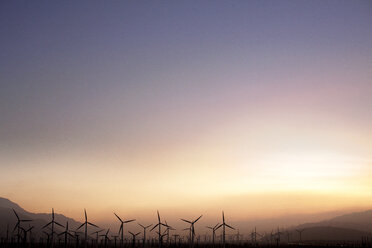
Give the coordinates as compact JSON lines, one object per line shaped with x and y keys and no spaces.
{"x":159,"y":80}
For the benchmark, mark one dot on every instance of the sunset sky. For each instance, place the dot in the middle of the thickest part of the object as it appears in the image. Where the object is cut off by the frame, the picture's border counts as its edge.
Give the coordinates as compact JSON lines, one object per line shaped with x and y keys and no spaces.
{"x":261,"y":108}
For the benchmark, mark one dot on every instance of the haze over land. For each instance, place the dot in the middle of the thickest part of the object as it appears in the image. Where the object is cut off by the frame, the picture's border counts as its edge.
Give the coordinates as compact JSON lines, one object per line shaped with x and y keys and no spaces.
{"x":258,"y":108}
{"x":350,"y":227}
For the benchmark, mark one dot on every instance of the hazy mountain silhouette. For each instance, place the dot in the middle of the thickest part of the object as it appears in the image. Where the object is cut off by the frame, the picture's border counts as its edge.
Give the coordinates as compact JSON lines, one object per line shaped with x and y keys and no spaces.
{"x":327,"y":234}
{"x":7,"y":217}
{"x":347,"y":227}
{"x":361,"y":221}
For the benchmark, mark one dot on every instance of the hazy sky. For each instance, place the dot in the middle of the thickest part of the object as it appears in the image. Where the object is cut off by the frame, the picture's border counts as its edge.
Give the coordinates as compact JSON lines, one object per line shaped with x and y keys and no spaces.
{"x":260,"y":108}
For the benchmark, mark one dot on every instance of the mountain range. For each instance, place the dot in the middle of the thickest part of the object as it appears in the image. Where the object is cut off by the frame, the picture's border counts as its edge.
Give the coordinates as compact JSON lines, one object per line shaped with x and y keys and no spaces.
{"x":347,"y":227}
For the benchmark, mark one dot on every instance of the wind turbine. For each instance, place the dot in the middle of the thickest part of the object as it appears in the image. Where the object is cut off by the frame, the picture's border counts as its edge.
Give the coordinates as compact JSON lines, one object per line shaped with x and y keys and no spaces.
{"x":134,"y":235}
{"x":18,"y":225}
{"x":300,"y":232}
{"x":167,"y":231}
{"x":224,"y":225}
{"x":106,"y":237}
{"x":77,"y":234}
{"x":86,"y":223}
{"x":66,"y":233}
{"x":121,"y":230}
{"x":161,"y":236}
{"x":97,"y":233}
{"x":213,"y":232}
{"x":278,"y":233}
{"x":25,"y":234}
{"x":288,"y":235}
{"x":48,"y":237}
{"x":192,"y":229}
{"x":52,"y":222}
{"x":7,"y":234}
{"x":238,"y":236}
{"x":175,"y":238}
{"x":144,"y":233}
{"x":159,"y":231}
{"x":115,"y":238}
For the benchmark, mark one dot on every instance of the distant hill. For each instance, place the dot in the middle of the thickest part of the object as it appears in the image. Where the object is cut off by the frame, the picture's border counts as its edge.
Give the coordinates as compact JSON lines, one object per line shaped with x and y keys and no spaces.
{"x":361,"y":221}
{"x":349,"y":227}
{"x":8,"y":218}
{"x":327,"y":234}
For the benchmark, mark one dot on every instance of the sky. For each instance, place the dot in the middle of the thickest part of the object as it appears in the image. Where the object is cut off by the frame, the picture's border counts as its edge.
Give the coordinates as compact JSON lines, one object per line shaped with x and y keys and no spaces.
{"x":260,"y":108}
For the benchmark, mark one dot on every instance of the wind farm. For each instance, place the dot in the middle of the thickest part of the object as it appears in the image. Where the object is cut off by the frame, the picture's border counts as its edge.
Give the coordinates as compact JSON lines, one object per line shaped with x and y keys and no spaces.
{"x":220,"y":235}
{"x":185,"y":124}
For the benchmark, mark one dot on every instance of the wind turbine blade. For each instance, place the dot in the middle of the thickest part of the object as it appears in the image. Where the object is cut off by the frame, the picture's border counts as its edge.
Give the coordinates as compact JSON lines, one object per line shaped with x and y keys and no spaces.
{"x":216,"y":225}
{"x":148,"y":226}
{"x":164,"y":225}
{"x":52,"y":213}
{"x":141,"y":225}
{"x":197,"y":218}
{"x":219,"y":226}
{"x":58,"y":224}
{"x":85,"y":213}
{"x":15,"y":213}
{"x":81,"y":226}
{"x":131,"y":233}
{"x":47,"y":224}
{"x":230,"y":226}
{"x":154,"y":227}
{"x":92,"y":224}
{"x":209,"y":227}
{"x":186,"y":221}
{"x":107,"y":231}
{"x":15,"y":227}
{"x":25,"y":220}
{"x":158,"y":215}
{"x":223,"y":217}
{"x":118,"y":217}
{"x":138,"y":233}
{"x":121,"y":228}
{"x":127,"y":221}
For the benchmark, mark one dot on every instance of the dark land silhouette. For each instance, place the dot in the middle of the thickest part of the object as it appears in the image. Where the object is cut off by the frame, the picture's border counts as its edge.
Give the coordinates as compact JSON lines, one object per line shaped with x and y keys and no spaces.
{"x":20,"y":228}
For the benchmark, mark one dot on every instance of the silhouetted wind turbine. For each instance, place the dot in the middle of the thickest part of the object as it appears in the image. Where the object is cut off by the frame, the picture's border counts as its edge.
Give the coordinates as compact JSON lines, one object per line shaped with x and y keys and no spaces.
{"x":192,"y":229}
{"x":76,"y":234}
{"x":224,"y":225}
{"x":52,"y":222}
{"x":97,"y":233}
{"x":25,"y":234}
{"x":66,"y":233}
{"x":134,"y":238}
{"x":115,"y":238}
{"x":48,"y":237}
{"x":144,"y":233}
{"x":86,"y":223}
{"x":18,"y":225}
{"x":161,"y":236}
{"x":167,"y":231}
{"x":213,"y":232}
{"x":278,"y":233}
{"x":300,"y":232}
{"x":288,"y":235}
{"x":106,"y":237}
{"x":121,"y":230}
{"x":159,"y":231}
